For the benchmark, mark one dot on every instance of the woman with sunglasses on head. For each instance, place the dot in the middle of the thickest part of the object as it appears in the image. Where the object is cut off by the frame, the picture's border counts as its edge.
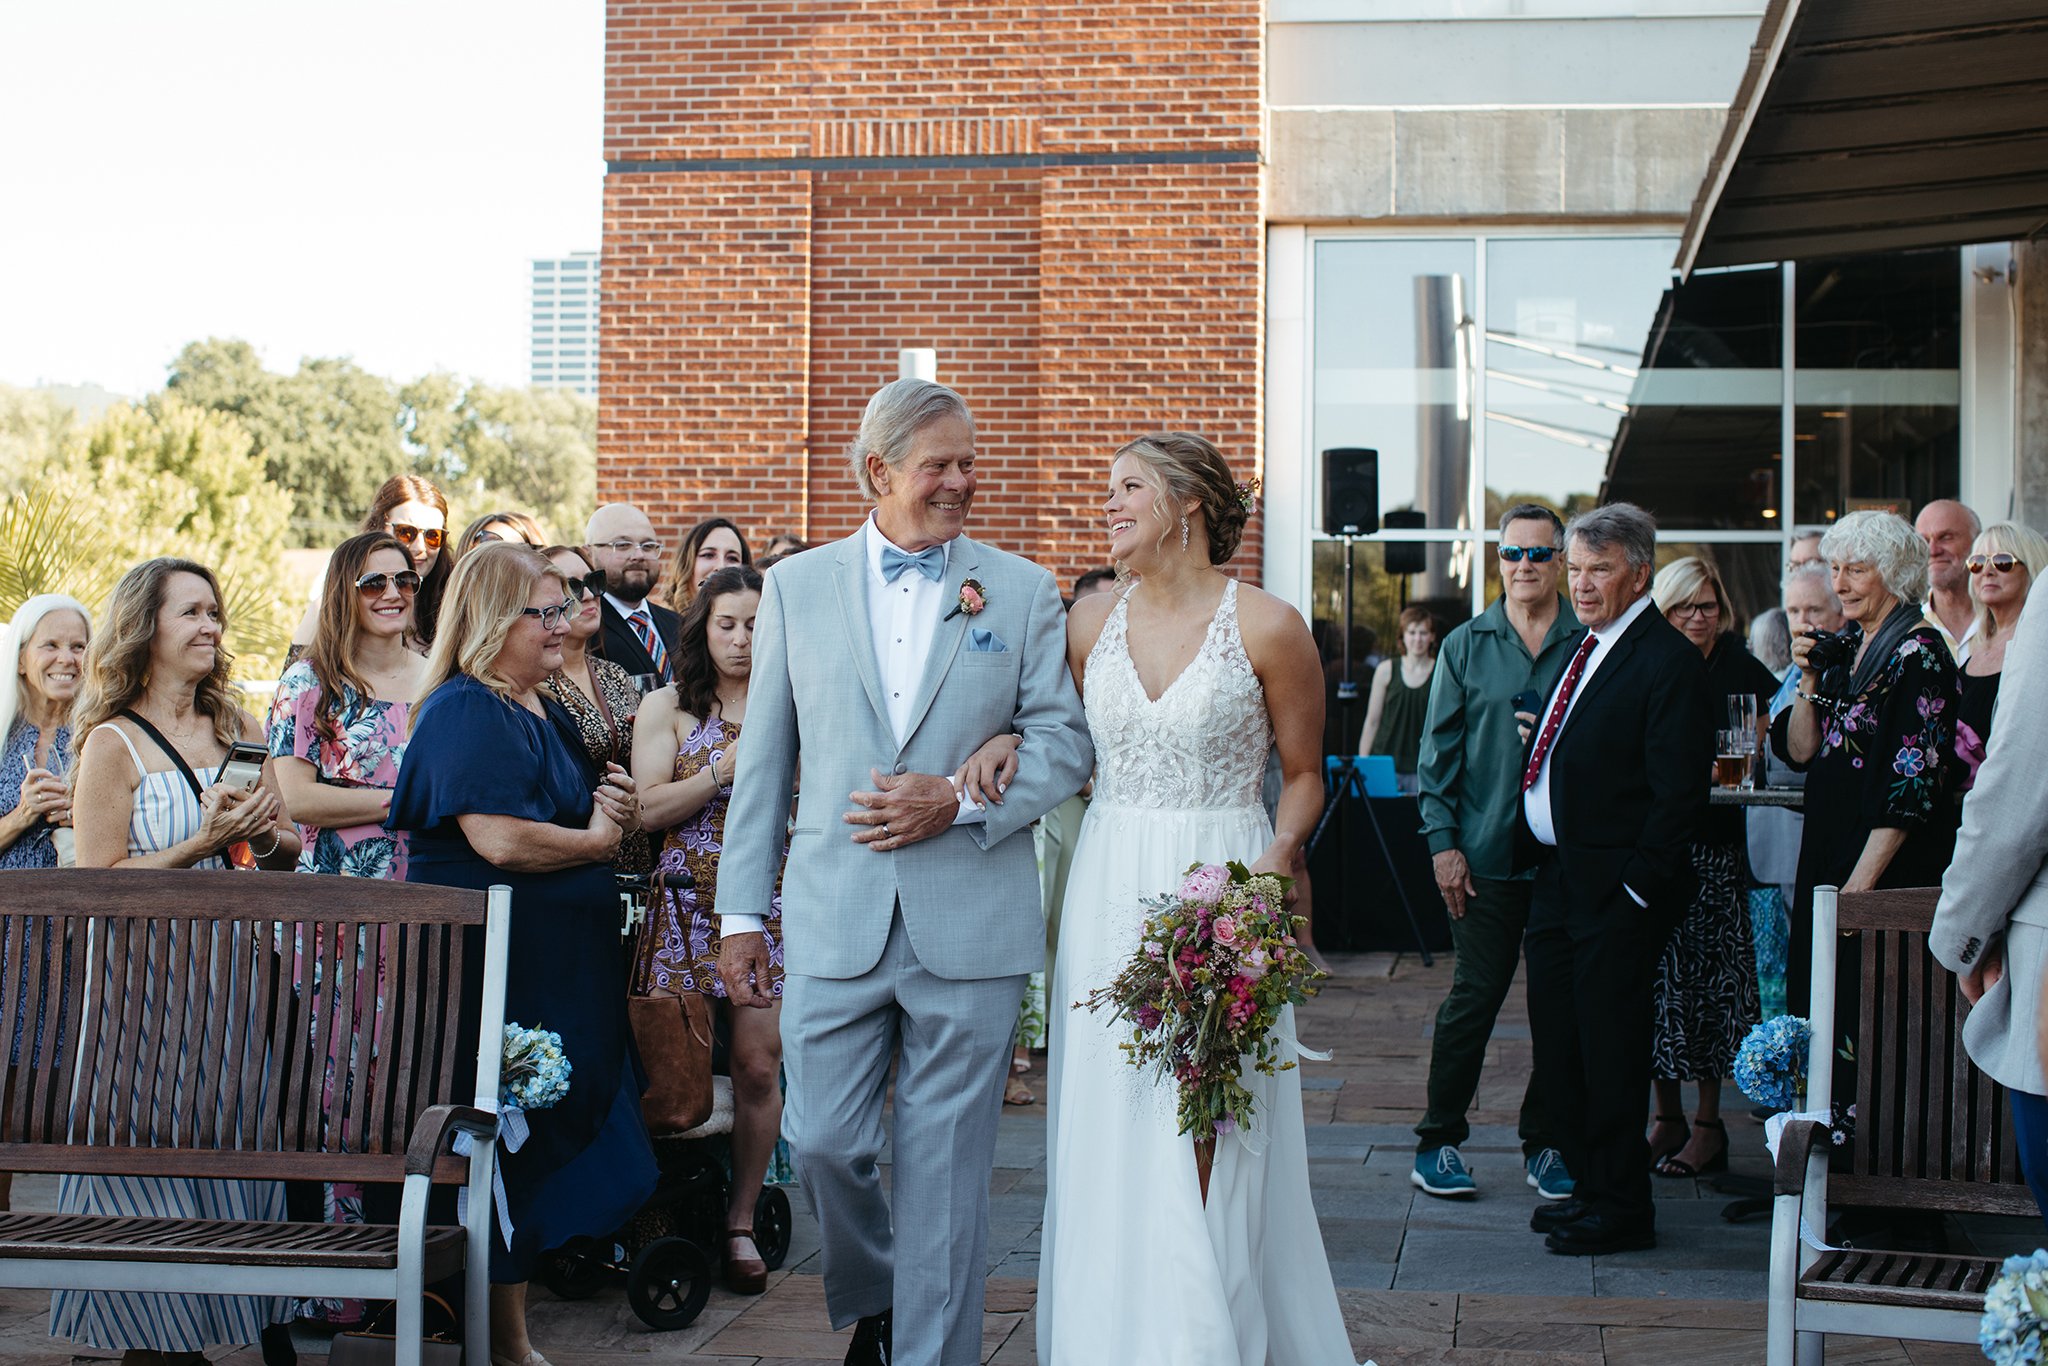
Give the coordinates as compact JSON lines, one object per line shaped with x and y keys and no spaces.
{"x":598,"y":694}
{"x":2003,"y":565}
{"x":493,"y":527}
{"x":416,"y":513}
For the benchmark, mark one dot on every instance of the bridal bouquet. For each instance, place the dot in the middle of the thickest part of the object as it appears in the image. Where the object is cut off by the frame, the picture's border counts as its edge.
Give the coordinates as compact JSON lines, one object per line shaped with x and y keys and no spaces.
{"x":1770,"y":1067}
{"x":1215,"y":963}
{"x":2016,"y":1311}
{"x":536,"y":1073}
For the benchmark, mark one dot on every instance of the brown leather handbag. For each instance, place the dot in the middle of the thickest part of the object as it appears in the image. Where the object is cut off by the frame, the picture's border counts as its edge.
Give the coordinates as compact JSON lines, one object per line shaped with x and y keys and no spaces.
{"x":673,"y":1032}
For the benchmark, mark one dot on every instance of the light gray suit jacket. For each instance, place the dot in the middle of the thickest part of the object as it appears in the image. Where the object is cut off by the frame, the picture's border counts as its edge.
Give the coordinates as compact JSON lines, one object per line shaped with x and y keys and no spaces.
{"x":1996,"y":889}
{"x":970,"y":894}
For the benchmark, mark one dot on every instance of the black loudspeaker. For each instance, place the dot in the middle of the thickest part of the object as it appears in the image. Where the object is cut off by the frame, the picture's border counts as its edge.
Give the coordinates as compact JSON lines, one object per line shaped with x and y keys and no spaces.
{"x":1351,"y":491}
{"x":1406,"y":557}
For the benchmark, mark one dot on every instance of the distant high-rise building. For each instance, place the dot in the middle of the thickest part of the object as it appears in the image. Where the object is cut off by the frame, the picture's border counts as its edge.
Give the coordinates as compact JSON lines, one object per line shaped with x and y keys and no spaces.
{"x":562,"y":351}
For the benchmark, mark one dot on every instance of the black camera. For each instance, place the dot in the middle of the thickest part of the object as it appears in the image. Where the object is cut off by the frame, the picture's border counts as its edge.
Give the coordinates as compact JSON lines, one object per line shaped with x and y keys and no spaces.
{"x":1830,"y":650}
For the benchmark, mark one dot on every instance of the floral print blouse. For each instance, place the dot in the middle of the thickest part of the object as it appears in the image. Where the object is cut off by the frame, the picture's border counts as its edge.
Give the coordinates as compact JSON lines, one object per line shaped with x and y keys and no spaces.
{"x":366,"y":751}
{"x":35,"y":848}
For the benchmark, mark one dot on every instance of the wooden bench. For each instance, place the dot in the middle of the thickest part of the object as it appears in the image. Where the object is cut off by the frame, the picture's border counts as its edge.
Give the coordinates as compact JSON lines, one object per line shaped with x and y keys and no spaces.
{"x":1932,"y":1134}
{"x":188,"y":1020}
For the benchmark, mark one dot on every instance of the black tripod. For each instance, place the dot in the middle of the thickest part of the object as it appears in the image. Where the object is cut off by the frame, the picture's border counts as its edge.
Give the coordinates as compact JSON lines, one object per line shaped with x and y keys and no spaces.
{"x":1349,"y":778}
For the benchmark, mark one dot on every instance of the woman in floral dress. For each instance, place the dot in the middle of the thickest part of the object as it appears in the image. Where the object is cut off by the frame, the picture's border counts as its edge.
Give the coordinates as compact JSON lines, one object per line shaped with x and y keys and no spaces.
{"x":1876,"y":738}
{"x":337,"y":737}
{"x":683,"y":760}
{"x":597,"y":694}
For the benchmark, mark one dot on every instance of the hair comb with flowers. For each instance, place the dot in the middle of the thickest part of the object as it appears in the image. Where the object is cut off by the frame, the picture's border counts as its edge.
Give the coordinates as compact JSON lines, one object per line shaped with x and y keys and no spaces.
{"x":1248,"y":495}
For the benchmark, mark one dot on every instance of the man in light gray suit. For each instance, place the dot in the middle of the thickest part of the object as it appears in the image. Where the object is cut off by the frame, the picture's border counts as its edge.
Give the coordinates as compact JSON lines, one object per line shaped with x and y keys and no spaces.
{"x":910,"y":913}
{"x":1991,"y":927}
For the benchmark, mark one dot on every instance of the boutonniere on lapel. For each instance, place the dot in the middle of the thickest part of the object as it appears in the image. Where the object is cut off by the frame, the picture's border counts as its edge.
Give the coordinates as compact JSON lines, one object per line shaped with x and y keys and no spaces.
{"x":973,"y":597}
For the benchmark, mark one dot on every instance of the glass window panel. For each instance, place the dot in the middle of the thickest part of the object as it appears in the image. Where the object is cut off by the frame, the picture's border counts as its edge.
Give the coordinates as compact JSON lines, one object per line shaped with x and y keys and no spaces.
{"x":1377,"y":597}
{"x":1566,"y":325}
{"x":1393,"y":367}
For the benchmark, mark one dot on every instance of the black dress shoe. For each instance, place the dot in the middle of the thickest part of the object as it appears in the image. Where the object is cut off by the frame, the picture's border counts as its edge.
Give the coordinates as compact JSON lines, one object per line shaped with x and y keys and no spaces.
{"x":1596,"y":1234}
{"x":870,"y":1341}
{"x":1549,"y":1218}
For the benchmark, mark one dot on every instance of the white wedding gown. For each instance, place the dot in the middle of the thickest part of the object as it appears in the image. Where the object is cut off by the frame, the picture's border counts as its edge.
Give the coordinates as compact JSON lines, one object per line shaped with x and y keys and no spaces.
{"x":1133,"y":1267}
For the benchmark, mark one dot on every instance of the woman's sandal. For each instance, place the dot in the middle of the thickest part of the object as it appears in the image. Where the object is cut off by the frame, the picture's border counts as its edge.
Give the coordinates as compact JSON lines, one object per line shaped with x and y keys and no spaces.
{"x":1657,"y":1156}
{"x":1674,"y":1166}
{"x":744,"y":1275}
{"x":1016,"y":1092}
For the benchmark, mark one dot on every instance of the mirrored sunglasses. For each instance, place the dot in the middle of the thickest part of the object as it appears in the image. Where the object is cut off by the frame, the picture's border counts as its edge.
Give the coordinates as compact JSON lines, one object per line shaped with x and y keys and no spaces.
{"x":370,"y":585}
{"x":1537,"y":554}
{"x":430,"y":536}
{"x":2002,"y":562}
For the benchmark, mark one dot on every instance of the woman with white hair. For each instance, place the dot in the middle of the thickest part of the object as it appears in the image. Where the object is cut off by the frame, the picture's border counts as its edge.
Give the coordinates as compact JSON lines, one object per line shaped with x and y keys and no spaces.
{"x":2003,"y":565}
{"x":45,"y":646}
{"x":1873,"y":727}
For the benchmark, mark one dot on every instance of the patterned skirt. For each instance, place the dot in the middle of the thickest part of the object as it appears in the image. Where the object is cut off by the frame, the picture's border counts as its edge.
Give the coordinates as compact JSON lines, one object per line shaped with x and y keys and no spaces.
{"x":1706,"y":992}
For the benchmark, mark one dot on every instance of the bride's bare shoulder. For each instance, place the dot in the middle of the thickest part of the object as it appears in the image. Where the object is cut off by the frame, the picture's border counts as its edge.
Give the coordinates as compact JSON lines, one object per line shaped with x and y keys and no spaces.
{"x":1086,"y":617}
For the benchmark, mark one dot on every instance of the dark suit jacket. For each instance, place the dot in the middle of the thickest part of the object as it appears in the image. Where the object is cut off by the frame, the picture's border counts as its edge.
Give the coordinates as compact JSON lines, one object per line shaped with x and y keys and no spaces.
{"x":618,"y":643}
{"x":1629,"y":773}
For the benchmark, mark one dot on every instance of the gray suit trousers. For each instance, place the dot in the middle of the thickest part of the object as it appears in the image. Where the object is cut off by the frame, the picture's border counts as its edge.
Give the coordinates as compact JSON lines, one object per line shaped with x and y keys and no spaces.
{"x":928,"y":1257}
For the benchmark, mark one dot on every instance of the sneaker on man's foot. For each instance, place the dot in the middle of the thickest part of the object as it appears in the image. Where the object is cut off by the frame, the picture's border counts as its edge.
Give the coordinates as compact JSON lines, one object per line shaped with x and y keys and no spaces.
{"x":1441,"y":1171}
{"x":1547,"y":1174}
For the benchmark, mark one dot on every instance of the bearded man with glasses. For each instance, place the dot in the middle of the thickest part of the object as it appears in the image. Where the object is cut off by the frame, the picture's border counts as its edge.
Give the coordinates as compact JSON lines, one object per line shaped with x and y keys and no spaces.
{"x":638,"y":633}
{"x":1471,"y":758}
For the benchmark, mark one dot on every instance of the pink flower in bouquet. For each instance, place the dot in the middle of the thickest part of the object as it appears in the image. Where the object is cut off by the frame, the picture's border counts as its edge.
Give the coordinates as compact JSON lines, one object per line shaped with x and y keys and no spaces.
{"x":1226,"y":1125}
{"x":1224,"y":930}
{"x":1149,"y":1017}
{"x":1205,"y":883}
{"x":1255,"y":961}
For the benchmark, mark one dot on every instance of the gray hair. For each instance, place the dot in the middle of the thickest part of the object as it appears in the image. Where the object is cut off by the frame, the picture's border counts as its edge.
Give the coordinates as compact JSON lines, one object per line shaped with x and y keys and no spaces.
{"x":1887,"y":543}
{"x":1532,"y":512}
{"x":1817,"y":570}
{"x":1617,"y":524}
{"x":894,"y":417}
{"x":1770,"y":639}
{"x":14,"y":638}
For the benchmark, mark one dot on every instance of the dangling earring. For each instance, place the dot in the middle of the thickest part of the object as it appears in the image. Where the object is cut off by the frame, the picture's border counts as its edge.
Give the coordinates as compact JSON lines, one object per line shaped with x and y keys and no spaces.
{"x":1183,"y":531}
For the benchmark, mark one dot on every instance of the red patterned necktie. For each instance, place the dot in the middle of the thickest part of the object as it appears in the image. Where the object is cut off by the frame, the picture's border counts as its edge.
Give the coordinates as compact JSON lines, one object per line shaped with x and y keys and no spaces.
{"x":642,"y":623}
{"x":1557,"y":711}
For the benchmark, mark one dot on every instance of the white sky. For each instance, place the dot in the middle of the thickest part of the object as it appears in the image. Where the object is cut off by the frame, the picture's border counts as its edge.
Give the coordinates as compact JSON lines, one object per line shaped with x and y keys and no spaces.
{"x":362,"y":178}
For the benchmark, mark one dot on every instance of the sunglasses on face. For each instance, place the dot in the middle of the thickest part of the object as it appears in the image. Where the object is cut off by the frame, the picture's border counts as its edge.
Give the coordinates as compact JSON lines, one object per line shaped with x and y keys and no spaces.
{"x":1537,"y":554}
{"x":430,"y":536}
{"x":2002,"y":562}
{"x":589,"y":586}
{"x":372,"y":585}
{"x":551,"y":617}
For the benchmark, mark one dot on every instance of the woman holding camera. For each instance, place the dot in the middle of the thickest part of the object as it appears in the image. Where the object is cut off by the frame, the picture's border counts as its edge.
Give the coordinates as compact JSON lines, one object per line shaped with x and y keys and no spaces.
{"x":1873,"y":727}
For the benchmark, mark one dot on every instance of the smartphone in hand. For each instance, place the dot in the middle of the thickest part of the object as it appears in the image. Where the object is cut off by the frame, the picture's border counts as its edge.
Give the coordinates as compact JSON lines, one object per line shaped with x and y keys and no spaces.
{"x":243,"y":768}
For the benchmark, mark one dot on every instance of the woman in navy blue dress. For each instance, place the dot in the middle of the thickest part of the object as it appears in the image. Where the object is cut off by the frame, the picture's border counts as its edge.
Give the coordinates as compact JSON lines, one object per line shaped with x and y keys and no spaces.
{"x":495,"y":789}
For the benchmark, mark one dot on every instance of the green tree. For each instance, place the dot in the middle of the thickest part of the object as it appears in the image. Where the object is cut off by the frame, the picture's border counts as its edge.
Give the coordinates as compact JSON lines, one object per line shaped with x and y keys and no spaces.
{"x":489,"y":447}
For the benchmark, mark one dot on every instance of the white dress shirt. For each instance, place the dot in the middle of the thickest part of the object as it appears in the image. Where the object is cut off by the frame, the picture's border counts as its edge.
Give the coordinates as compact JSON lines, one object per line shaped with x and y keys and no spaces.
{"x":1536,"y":801}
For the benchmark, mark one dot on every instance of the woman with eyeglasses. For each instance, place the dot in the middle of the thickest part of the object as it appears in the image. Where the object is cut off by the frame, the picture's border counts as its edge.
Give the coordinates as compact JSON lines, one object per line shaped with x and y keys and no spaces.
{"x":416,"y":513}
{"x":598,"y":695}
{"x":1706,"y":988}
{"x":713,"y":544}
{"x":2003,"y":564}
{"x":496,"y":789}
{"x":492,"y":527}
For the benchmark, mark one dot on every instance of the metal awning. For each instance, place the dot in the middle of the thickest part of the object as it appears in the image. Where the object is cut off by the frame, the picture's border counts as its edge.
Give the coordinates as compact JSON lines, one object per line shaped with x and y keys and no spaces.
{"x":1880,"y":125}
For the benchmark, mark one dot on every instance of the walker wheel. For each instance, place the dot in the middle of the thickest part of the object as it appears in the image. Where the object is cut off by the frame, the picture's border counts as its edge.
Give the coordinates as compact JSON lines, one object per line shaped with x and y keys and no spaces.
{"x":669,"y":1283}
{"x":772,"y":1225}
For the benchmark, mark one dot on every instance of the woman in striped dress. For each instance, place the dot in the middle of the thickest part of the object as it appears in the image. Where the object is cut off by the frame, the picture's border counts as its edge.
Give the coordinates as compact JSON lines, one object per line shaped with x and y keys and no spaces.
{"x":158,"y":717}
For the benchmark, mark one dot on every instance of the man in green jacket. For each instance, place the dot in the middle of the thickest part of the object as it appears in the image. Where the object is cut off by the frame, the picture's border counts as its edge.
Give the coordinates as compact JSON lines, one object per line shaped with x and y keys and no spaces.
{"x":1472,"y":755}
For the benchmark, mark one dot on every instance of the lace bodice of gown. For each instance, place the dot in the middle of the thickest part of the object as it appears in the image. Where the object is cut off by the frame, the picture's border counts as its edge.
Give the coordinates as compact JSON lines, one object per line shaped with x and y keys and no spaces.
{"x":1202,"y":744}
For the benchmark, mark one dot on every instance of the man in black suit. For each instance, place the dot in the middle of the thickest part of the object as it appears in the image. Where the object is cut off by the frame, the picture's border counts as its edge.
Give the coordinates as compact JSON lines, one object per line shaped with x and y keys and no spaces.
{"x":639,"y":634}
{"x":1614,"y":788}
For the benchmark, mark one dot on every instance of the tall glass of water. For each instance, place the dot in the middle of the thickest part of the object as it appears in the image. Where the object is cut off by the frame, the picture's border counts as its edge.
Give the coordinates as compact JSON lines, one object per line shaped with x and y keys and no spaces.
{"x":58,"y":765}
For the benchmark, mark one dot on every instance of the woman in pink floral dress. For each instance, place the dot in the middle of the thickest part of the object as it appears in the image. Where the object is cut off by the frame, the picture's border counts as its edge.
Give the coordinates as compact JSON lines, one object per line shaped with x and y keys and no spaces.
{"x":684,"y":750}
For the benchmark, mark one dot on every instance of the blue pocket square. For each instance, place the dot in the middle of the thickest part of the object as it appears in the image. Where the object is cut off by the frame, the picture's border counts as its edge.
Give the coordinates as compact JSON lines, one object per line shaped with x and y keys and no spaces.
{"x":985,"y":642}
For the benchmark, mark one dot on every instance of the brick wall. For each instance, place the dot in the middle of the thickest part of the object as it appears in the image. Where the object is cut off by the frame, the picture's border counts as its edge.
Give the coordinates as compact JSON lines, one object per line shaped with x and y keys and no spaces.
{"x":1063,"y":199}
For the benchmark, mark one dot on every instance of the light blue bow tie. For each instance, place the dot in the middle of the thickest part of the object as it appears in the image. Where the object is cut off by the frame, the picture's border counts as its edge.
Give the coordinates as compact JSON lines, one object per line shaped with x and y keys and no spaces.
{"x":930,"y":562}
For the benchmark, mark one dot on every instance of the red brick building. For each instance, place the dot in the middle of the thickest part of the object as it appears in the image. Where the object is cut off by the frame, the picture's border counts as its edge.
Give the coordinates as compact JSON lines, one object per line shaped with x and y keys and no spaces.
{"x":1062,"y":199}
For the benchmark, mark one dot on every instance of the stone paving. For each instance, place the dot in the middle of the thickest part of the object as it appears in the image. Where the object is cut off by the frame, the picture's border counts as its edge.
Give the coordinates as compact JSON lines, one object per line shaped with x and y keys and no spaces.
{"x":1421,"y":1280}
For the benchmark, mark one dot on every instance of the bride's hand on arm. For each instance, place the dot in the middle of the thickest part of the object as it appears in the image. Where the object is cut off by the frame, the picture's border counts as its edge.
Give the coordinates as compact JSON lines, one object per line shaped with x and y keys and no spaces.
{"x":986,"y":775}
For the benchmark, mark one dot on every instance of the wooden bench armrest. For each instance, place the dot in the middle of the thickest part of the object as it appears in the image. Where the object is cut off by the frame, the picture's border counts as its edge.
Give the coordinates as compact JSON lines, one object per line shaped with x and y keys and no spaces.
{"x":1795,"y":1145}
{"x":430,"y":1134}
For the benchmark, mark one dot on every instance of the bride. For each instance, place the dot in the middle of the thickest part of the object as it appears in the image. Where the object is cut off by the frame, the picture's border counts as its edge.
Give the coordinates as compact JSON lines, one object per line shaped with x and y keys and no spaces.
{"x":1159,"y":1248}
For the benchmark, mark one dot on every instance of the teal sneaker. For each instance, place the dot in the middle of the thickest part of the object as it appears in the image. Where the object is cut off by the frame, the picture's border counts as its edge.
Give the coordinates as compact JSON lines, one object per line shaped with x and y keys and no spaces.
{"x":1440,"y":1171}
{"x":1547,"y":1174}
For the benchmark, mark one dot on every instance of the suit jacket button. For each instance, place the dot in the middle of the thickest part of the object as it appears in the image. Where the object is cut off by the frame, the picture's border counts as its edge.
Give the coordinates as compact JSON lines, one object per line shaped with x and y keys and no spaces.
{"x":902,"y":769}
